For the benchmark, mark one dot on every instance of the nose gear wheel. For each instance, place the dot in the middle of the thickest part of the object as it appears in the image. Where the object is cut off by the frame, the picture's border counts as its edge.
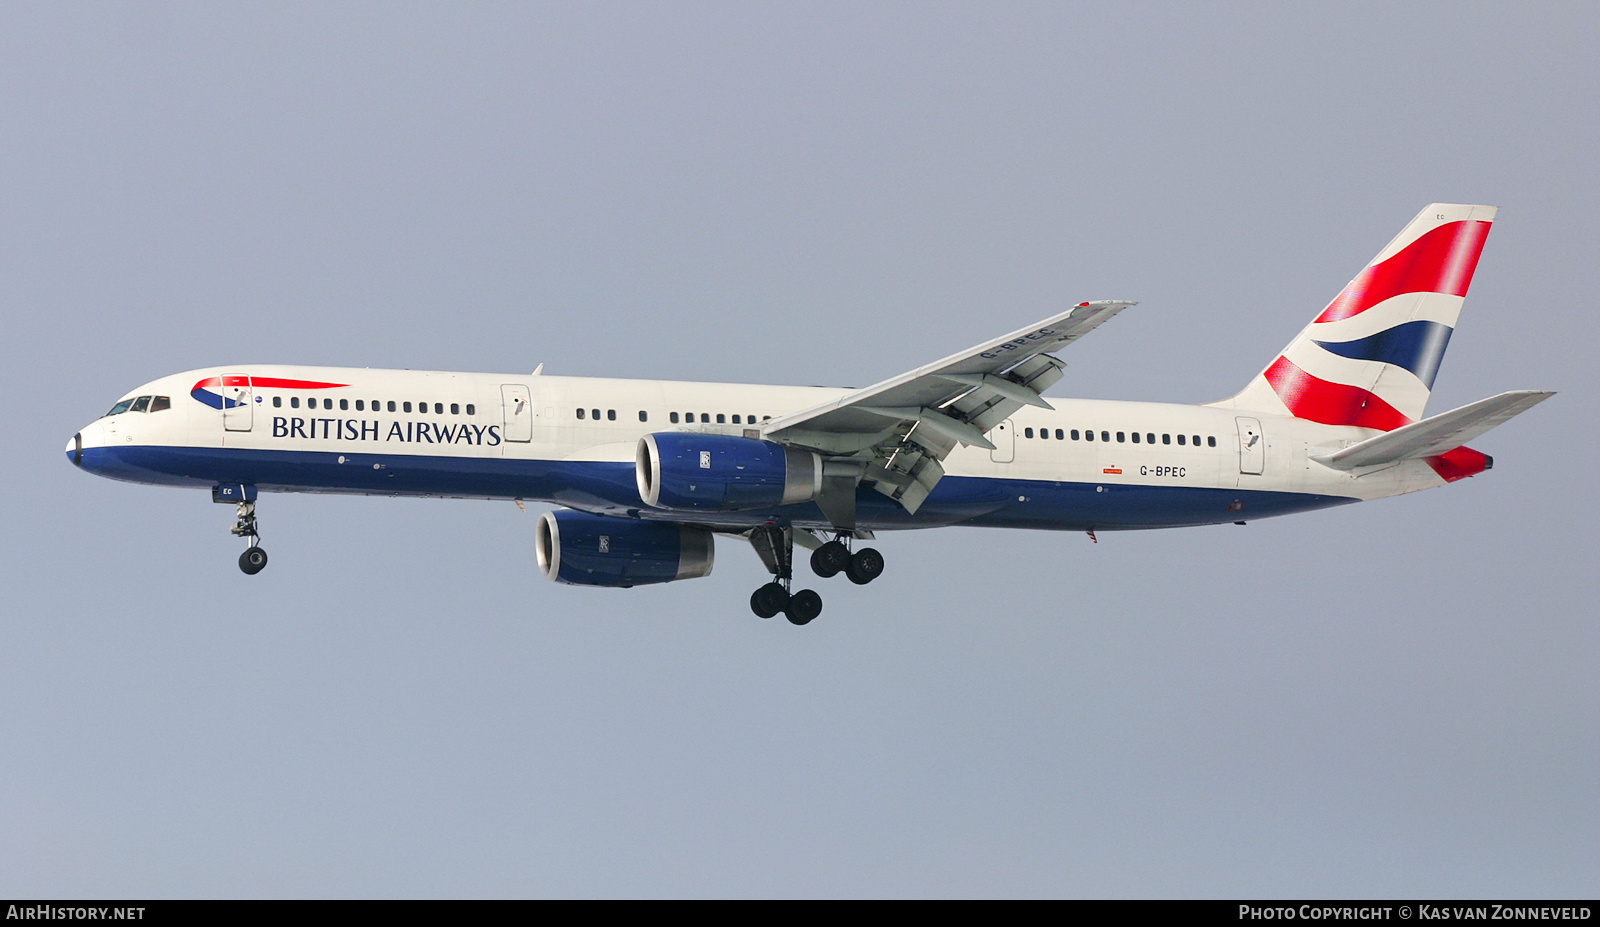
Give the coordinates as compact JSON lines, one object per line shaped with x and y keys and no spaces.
{"x":254,"y":558}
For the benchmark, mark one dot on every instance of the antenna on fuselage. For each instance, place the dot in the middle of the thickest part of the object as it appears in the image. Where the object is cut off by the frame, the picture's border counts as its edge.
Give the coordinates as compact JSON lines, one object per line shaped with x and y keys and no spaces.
{"x":538,"y":370}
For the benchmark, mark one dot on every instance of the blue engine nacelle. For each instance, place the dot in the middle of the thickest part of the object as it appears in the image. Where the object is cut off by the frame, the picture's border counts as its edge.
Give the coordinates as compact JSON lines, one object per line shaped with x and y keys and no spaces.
{"x":723,"y":473}
{"x":598,"y":550}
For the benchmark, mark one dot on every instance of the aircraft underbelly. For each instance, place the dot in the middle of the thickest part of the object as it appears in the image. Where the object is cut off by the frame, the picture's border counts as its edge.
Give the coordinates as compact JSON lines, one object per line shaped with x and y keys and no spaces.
{"x":610,"y":488}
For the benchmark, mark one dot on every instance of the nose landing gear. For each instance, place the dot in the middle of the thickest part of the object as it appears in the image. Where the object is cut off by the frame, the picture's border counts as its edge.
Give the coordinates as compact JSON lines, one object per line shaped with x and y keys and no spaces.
{"x":254,"y":558}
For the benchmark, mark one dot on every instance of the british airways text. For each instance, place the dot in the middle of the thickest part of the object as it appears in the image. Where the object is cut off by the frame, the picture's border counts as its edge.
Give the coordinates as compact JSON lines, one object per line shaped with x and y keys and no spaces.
{"x":354,"y":429}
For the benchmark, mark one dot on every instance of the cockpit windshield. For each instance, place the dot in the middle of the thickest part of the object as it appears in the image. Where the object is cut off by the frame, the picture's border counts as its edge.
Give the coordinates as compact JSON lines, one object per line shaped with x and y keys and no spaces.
{"x":142,"y":404}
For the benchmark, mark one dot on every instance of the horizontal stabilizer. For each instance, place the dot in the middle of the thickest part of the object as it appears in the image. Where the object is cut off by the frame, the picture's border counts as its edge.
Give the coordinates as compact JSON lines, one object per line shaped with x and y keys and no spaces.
{"x":1434,"y":435}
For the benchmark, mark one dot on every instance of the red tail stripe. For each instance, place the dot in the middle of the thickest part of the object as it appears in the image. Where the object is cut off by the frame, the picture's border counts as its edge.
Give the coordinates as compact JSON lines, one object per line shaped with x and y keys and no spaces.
{"x":1440,"y":261}
{"x":1319,"y":400}
{"x":1458,"y":464}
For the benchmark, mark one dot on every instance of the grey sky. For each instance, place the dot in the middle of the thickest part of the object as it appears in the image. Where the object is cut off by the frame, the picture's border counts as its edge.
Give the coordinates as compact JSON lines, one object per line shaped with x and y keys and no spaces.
{"x":1392,"y":699}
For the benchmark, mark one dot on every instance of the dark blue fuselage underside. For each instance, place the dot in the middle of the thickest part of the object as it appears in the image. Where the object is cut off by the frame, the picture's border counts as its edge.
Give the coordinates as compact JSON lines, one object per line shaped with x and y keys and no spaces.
{"x":609,"y":488}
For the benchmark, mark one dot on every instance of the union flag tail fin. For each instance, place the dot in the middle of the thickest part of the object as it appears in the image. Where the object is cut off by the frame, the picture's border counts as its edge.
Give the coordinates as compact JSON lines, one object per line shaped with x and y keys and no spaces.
{"x":1370,"y":357}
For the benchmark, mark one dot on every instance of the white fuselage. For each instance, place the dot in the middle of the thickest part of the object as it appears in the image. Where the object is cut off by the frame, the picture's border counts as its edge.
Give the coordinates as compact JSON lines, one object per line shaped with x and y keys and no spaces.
{"x":1084,"y":464}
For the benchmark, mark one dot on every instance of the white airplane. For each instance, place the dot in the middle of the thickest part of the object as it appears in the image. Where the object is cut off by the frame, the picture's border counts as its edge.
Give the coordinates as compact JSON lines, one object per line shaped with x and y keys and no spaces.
{"x":647,"y":472}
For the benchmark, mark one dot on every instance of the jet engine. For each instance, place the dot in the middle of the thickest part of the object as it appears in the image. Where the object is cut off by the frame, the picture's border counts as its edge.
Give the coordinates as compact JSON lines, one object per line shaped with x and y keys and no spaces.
{"x":723,"y":473}
{"x":599,"y":550}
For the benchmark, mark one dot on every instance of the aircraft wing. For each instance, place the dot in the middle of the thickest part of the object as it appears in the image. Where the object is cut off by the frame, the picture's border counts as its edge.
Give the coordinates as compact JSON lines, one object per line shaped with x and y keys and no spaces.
{"x":896,"y":434}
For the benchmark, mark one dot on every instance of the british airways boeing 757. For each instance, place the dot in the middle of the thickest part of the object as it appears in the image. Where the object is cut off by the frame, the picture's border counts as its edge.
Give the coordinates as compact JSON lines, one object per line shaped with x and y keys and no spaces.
{"x":646,"y":473}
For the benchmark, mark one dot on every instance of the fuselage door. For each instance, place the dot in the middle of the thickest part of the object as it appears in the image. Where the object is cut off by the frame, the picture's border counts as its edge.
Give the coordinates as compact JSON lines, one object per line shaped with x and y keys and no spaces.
{"x":518,"y":410}
{"x":1004,"y":439}
{"x":238,"y":403}
{"x":1252,"y":446}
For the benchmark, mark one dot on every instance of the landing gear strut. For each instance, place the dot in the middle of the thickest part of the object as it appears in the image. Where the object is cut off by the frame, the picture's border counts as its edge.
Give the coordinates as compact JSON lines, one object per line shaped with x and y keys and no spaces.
{"x":775,"y":546}
{"x":254,"y":558}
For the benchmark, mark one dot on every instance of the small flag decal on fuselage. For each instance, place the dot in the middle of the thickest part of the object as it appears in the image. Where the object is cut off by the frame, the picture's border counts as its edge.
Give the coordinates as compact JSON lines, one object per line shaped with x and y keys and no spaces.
{"x":1113,"y":470}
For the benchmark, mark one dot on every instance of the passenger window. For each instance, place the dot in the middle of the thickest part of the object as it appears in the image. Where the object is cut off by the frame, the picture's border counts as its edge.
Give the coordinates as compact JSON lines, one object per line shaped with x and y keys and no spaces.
{"x":721,"y":419}
{"x":326,"y":403}
{"x":160,"y":403}
{"x":1180,"y":439}
{"x":705,"y":417}
{"x":1166,"y":439}
{"x":672,"y":417}
{"x":391,"y":406}
{"x":1149,"y":438}
{"x":406,"y":406}
{"x":1027,"y":432}
{"x":1135,"y":437}
{"x":1044,"y":433}
{"x":1060,"y":436}
{"x":1197,"y":441}
{"x":471,"y":409}
{"x":142,"y":404}
{"x":1210,"y":442}
{"x":581,"y":413}
{"x":766,"y":418}
{"x":1105,"y":436}
{"x":438,"y":408}
{"x":1119,"y":437}
{"x":736,"y":418}
{"x":455,"y":408}
{"x":361,"y":405}
{"x":277,"y":402}
{"x":294,"y":402}
{"x":611,"y":415}
{"x":344,"y":405}
{"x":1088,"y":436}
{"x":750,"y":418}
{"x":644,"y":416}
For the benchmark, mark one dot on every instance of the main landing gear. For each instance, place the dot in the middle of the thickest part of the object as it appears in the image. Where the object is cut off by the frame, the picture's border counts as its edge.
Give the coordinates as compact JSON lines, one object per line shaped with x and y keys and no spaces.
{"x":775,"y":545}
{"x":254,"y":558}
{"x":833,"y":558}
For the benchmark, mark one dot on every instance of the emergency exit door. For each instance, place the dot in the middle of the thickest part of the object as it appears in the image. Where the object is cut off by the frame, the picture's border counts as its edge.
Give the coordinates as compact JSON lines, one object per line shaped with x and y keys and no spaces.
{"x":238,"y":403}
{"x":1252,"y":446}
{"x":518,"y":412}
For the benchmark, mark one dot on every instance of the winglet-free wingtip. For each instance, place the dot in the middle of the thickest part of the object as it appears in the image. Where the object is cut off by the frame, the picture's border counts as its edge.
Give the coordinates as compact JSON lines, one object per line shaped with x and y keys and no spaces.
{"x":1104,"y":308}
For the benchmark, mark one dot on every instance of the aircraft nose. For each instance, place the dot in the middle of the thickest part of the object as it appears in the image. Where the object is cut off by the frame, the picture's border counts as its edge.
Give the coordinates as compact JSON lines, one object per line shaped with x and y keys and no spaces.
{"x":89,"y":437}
